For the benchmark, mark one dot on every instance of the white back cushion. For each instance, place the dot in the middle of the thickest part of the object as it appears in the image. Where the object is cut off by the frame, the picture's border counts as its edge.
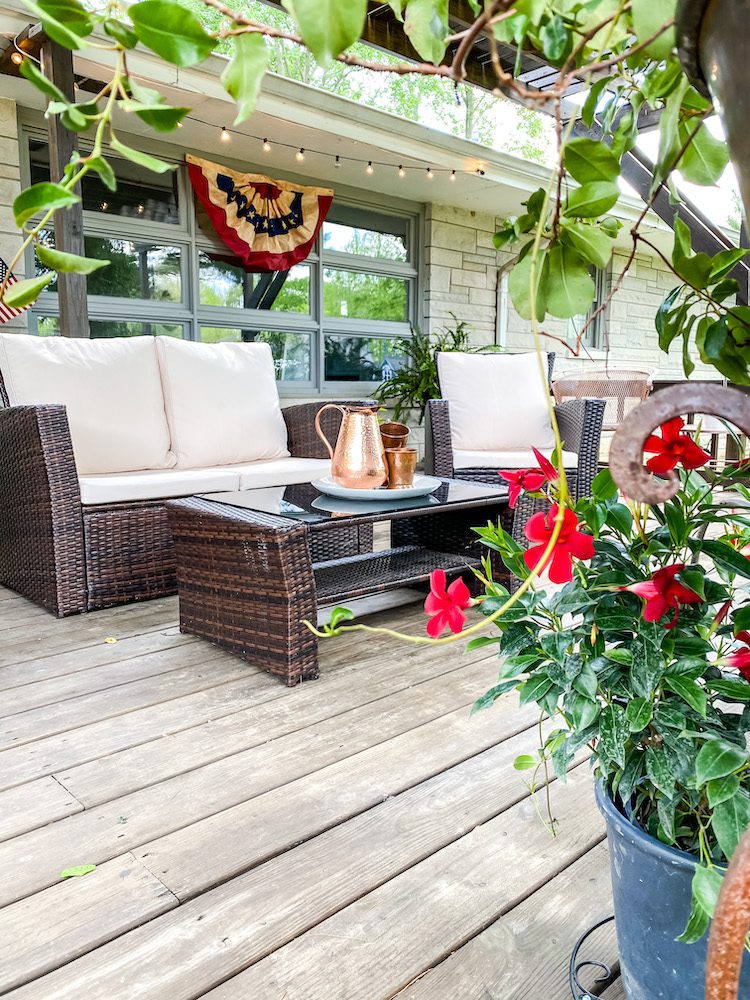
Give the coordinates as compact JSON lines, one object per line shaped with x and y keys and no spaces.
{"x":112,"y":391}
{"x":497,"y":401}
{"x":222,"y":403}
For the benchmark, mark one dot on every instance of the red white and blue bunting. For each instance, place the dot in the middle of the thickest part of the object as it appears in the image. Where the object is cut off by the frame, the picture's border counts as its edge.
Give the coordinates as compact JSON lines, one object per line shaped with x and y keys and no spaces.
{"x":269,"y":224}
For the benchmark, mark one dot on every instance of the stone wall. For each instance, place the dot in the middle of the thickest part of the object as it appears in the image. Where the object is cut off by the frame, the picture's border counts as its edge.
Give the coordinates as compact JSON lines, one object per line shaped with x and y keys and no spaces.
{"x":10,"y":186}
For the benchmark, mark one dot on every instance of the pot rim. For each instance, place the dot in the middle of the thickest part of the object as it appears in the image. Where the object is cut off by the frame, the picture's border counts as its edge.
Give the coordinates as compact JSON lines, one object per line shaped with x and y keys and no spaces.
{"x":688,"y":24}
{"x":638,"y":837}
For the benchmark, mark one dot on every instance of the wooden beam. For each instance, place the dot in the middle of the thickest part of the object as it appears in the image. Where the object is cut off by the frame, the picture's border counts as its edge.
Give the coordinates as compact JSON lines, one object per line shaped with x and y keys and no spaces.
{"x":57,"y":64}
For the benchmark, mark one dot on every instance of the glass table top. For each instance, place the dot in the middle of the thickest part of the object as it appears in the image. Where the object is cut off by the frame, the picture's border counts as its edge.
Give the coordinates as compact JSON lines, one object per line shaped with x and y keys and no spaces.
{"x":305,"y":503}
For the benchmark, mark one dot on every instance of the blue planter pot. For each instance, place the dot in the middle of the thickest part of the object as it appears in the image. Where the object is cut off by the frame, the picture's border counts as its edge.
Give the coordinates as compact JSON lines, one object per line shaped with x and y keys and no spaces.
{"x":651,"y":889}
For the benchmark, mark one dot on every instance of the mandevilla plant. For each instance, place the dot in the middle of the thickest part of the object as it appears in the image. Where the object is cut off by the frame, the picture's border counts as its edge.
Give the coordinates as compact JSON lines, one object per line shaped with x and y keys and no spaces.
{"x":625,"y":50}
{"x":639,"y":652}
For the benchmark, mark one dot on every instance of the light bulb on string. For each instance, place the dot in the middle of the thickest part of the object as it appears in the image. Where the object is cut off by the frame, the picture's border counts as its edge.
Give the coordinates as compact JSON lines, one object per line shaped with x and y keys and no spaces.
{"x":225,"y":134}
{"x":401,"y":172}
{"x":430,"y":174}
{"x":17,"y":58}
{"x":266,"y":146}
{"x":300,"y":154}
{"x":337,"y":162}
{"x":369,"y":169}
{"x":480,"y":172}
{"x":453,"y":175}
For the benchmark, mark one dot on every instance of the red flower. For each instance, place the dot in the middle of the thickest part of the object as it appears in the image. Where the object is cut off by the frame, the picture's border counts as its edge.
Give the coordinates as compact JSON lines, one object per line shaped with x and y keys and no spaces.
{"x":571,"y":542}
{"x":446,"y":606}
{"x":673,"y":448}
{"x":528,"y":480}
{"x":740,"y":658}
{"x":663,"y":593}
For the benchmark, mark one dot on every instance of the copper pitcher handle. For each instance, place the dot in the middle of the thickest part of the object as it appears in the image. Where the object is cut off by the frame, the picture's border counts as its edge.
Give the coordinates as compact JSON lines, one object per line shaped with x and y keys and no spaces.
{"x":321,"y":435}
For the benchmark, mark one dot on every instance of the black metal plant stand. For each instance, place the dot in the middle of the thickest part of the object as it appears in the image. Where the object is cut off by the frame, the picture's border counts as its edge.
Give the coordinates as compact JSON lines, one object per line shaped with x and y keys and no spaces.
{"x":579,"y":991}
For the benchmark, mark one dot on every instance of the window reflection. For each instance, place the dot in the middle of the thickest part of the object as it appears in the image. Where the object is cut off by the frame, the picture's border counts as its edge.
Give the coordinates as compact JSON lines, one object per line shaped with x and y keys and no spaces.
{"x":291,"y":351}
{"x":361,"y":359}
{"x":364,"y":296}
{"x":223,"y":282}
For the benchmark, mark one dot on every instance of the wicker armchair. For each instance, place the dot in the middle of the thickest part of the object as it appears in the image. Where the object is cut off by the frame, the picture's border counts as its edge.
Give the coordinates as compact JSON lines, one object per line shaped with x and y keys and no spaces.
{"x":621,"y":389}
{"x":71,"y":558}
{"x":580,"y":423}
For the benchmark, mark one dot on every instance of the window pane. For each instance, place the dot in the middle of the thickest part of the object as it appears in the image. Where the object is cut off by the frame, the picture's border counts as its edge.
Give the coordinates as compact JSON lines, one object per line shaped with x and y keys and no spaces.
{"x":364,"y":296}
{"x":49,"y":326}
{"x":361,"y":359}
{"x":224,"y":283}
{"x":137,"y":270}
{"x":140,"y":194}
{"x":355,"y":239}
{"x":291,"y":351}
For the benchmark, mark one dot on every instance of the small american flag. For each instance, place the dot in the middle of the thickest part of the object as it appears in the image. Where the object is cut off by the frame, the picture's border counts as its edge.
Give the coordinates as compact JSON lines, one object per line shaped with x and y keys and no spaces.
{"x":7,"y":312}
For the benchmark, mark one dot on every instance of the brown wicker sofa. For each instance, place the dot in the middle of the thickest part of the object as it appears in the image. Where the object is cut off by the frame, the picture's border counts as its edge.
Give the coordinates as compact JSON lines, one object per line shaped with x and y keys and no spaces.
{"x":72,"y":555}
{"x":580,"y":423}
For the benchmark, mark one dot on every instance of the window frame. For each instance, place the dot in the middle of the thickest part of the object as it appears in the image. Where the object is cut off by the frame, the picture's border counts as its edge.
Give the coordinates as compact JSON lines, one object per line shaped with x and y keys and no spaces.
{"x":186,"y":235}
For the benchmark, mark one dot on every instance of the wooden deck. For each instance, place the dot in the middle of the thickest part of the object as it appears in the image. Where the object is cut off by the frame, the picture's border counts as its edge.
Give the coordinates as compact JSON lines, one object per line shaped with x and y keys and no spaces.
{"x":356,"y":838}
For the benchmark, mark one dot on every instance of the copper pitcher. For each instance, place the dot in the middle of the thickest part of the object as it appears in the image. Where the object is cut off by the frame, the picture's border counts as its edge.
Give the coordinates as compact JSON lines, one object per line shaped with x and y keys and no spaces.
{"x":358,"y":461}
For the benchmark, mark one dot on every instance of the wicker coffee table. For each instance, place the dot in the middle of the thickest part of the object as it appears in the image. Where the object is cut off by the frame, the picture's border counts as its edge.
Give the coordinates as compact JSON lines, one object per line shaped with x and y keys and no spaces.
{"x":251,"y":566}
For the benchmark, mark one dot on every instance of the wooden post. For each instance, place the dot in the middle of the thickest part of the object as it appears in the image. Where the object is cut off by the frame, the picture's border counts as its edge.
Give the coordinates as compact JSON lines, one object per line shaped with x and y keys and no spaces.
{"x":57,"y":64}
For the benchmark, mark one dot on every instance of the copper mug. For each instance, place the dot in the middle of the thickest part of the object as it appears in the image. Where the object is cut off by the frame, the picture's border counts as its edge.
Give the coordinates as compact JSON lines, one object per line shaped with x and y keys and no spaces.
{"x":358,"y":460}
{"x":402,"y":464}
{"x":394,"y":435}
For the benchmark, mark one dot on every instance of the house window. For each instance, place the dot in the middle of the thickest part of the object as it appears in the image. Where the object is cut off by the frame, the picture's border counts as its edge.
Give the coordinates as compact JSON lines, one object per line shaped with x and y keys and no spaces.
{"x":337,"y":317}
{"x":595,"y":333}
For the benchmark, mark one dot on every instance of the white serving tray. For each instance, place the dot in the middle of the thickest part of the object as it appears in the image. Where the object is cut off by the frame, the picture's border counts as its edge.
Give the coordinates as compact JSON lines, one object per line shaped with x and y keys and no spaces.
{"x":422,"y":486}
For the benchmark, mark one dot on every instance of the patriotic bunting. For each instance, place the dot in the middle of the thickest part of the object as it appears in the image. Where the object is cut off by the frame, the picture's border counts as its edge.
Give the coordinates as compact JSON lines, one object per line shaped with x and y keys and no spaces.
{"x":269,"y":224}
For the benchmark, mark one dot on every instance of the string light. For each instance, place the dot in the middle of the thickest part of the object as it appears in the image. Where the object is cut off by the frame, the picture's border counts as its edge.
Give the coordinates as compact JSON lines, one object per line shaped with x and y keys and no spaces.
{"x":300,"y":154}
{"x":430,"y":174}
{"x":17,"y":58}
{"x":226,"y":135}
{"x":369,"y":169}
{"x":266,"y":146}
{"x":480,"y":172}
{"x":401,"y":172}
{"x":104,"y":206}
{"x":337,"y":162}
{"x":453,"y":175}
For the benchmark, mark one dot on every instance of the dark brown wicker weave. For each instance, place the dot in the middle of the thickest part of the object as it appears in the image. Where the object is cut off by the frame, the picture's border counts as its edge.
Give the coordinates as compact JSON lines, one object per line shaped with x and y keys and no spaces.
{"x":580,"y":423}
{"x":71,"y":558}
{"x":248,"y":579}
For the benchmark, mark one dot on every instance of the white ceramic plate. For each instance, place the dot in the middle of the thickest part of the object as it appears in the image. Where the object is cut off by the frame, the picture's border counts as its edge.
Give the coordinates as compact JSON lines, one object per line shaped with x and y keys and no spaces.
{"x":422,"y":486}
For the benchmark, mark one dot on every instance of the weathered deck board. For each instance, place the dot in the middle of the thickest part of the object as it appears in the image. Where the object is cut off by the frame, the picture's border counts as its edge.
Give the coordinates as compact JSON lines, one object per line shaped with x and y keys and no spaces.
{"x":615,"y":991}
{"x":339,"y":840}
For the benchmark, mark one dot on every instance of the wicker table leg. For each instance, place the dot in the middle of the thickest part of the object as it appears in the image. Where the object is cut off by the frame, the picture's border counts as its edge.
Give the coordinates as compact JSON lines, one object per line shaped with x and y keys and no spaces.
{"x":247,"y":586}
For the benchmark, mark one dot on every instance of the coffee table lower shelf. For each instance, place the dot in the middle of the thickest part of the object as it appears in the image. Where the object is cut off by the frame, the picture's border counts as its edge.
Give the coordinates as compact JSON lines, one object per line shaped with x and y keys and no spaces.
{"x":361,"y":576}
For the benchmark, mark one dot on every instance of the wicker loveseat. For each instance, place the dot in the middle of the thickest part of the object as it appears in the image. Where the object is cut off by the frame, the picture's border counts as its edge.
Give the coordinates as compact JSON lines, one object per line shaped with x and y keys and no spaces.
{"x":494,"y":410}
{"x":96,"y":434}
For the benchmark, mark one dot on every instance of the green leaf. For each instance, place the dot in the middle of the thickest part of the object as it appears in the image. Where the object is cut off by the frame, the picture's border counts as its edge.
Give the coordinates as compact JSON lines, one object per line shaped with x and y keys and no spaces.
{"x":162,"y":118}
{"x":68,"y":262}
{"x":659,"y":771}
{"x":244,"y":73}
{"x":588,"y":161}
{"x":491,"y":696}
{"x":705,"y":891}
{"x":23,"y":293}
{"x":586,"y":682}
{"x":613,"y":732}
{"x":730,"y":820}
{"x":737,"y":690}
{"x":603,"y":486}
{"x":41,"y":82}
{"x":519,"y":284}
{"x":582,"y":710}
{"x":105,"y":172}
{"x":568,"y":289}
{"x":426,"y":25}
{"x":525,"y":762}
{"x":724,"y":555}
{"x":534,"y":689}
{"x":705,"y":159}
{"x":339,"y":615}
{"x":592,"y":243}
{"x":41,"y":198}
{"x":717,"y":758}
{"x":171,"y":31}
{"x":689,"y":691}
{"x":556,"y":39}
{"x":647,"y":668}
{"x":592,"y":100}
{"x":77,"y":871}
{"x":591,"y":200}
{"x":721,"y":789}
{"x":723,"y":262}
{"x":137,"y":156}
{"x":649,"y":16}
{"x":638,"y":714}
{"x":121,"y":33}
{"x":683,"y":246}
{"x":64,"y":21}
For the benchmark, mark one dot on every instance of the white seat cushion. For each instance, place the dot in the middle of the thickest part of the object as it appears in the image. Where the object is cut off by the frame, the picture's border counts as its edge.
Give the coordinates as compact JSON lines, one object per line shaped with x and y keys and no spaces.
{"x":222,"y":403}
{"x":156,"y":485}
{"x":498,"y":402}
{"x":111,"y":389}
{"x":282,"y":472}
{"x":507,"y":459}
